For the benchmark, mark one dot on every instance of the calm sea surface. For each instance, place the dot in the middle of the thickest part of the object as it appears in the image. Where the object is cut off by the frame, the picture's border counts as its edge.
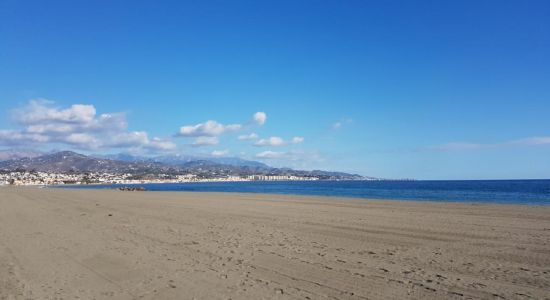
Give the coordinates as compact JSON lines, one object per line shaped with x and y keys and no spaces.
{"x":530,"y":192}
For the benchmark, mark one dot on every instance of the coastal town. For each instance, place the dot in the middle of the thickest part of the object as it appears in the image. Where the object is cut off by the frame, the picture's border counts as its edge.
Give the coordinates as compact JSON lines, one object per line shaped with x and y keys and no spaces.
{"x":67,"y":167}
{"x":47,"y":178}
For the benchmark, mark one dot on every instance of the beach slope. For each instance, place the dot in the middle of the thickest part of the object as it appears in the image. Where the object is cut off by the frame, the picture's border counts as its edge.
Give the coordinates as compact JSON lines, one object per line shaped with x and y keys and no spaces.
{"x":68,"y":244}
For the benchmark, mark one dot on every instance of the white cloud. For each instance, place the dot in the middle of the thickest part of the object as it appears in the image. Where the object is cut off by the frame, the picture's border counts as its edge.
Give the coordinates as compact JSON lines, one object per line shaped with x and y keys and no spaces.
{"x":219,"y":153}
{"x":532,"y":141}
{"x":248,"y":137}
{"x":209,"y":128}
{"x":83,"y":140}
{"x":270,"y":154}
{"x":206,"y":141}
{"x":136,"y":139}
{"x":260,"y":117}
{"x":12,"y":137}
{"x":130,"y":139}
{"x":297,"y":140}
{"x":41,"y":110}
{"x":463,"y":146}
{"x":276,"y":141}
{"x":160,"y":145}
{"x":50,"y":128}
{"x":272,"y":141}
{"x":77,"y":126}
{"x":291,"y":159}
{"x":212,"y":128}
{"x":341,"y":123}
{"x":459,"y":146}
{"x":41,"y":116}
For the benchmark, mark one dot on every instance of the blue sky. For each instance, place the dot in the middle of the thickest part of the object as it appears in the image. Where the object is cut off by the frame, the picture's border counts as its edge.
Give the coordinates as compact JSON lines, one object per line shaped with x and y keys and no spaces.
{"x":419,"y":89}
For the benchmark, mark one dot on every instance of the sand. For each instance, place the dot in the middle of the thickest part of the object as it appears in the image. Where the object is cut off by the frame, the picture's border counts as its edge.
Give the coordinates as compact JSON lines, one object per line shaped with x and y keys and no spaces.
{"x":92,"y":244}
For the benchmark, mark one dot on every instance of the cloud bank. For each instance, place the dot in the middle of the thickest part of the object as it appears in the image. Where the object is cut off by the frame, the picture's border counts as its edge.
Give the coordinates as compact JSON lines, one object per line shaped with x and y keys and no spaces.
{"x":209,"y":128}
{"x":270,"y":154}
{"x":294,"y":159}
{"x":79,"y":126}
{"x":207,"y":133}
{"x":462,"y":146}
{"x":247,"y":137}
{"x":206,"y":141}
{"x":219,"y":153}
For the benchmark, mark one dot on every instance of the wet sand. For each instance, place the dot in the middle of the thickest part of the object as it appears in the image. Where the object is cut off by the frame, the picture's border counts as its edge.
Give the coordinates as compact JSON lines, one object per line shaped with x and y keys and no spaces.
{"x":98,"y":244}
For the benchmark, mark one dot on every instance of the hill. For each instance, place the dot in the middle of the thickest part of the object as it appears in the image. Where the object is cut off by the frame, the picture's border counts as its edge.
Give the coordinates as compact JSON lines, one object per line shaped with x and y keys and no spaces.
{"x":68,"y":161}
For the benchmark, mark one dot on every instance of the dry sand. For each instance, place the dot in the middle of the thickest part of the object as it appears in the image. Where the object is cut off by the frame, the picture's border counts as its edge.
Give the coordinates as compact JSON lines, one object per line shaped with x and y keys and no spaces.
{"x":92,"y":244}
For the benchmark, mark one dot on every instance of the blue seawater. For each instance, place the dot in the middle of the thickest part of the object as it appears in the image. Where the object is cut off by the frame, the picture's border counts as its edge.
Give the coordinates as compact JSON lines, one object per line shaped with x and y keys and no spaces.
{"x":528,"y":192}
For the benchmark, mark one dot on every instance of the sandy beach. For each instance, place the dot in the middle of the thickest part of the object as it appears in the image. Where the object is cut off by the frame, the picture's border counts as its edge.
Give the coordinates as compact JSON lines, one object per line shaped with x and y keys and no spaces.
{"x":106,"y":244}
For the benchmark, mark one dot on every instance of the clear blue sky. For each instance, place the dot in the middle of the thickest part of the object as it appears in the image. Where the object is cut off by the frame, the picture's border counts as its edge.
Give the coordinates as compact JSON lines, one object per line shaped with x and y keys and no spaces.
{"x":421,"y":89}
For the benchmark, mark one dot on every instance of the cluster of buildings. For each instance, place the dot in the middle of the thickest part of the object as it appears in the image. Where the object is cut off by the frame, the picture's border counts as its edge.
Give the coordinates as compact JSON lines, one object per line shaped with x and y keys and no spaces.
{"x":46,"y":178}
{"x":43,"y":178}
{"x":278,"y":177}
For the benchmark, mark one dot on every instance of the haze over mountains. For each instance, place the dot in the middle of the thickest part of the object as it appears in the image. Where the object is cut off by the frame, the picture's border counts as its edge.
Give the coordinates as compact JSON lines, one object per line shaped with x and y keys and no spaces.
{"x":13,"y":154}
{"x":178,"y":159}
{"x":68,"y":161}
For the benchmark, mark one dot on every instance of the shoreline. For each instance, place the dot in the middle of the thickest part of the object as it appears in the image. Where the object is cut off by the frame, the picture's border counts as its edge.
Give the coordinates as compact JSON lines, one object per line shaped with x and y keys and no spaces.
{"x":293,"y":196}
{"x":321,"y":197}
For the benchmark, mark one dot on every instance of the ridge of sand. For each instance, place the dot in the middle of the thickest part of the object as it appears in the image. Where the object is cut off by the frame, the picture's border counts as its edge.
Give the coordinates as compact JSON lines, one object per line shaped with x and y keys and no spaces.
{"x":102,"y":244}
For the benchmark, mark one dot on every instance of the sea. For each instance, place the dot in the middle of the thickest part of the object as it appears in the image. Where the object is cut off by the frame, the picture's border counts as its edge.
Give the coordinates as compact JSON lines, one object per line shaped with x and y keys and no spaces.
{"x":525,"y":192}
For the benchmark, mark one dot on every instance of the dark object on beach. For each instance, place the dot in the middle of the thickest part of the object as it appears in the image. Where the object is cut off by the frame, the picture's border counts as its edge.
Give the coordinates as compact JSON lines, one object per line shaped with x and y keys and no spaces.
{"x":132,"y":189}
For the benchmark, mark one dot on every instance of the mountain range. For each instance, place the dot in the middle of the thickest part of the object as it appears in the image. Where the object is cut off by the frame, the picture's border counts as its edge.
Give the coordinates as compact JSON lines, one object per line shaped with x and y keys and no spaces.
{"x":72,"y":162}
